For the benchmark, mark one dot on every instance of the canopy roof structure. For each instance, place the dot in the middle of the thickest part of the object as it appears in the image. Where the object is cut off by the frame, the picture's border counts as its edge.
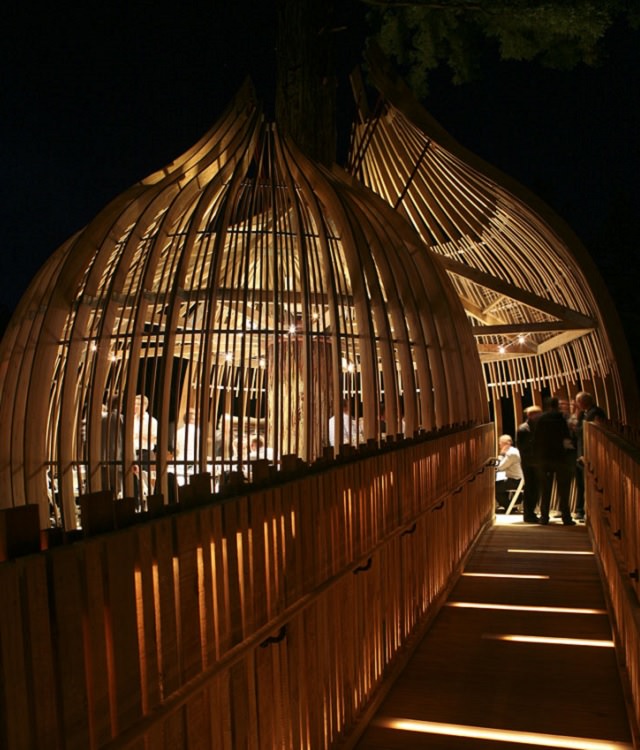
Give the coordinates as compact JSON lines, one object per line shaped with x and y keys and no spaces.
{"x":266,"y":307}
{"x":539,"y":311}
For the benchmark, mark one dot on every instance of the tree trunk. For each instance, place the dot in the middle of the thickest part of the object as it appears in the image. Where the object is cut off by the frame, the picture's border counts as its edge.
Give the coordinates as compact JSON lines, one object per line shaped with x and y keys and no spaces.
{"x":306,"y":81}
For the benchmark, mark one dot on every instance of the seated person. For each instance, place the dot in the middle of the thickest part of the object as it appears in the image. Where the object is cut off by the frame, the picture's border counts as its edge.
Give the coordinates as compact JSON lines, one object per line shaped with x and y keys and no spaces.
{"x":508,"y":471}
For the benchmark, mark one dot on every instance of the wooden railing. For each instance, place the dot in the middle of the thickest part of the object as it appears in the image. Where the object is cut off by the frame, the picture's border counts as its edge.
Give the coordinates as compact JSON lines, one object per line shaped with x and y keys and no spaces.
{"x":612,"y":484}
{"x":265,"y":620}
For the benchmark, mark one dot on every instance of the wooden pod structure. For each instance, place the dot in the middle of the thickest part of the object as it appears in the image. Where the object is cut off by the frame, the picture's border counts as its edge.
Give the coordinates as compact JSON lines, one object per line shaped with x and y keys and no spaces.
{"x":223,"y":311}
{"x":541,"y":316}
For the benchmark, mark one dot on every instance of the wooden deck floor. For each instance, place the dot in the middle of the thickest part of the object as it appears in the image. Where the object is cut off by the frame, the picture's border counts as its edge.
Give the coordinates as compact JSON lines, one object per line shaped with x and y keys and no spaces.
{"x":466,"y":676}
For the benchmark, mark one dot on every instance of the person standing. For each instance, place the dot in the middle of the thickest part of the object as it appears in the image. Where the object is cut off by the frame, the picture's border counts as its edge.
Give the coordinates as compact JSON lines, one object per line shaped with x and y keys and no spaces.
{"x":187,"y":442}
{"x":551,"y":438}
{"x":586,"y":411}
{"x":112,"y":446}
{"x":524,"y":443}
{"x":145,"y":438}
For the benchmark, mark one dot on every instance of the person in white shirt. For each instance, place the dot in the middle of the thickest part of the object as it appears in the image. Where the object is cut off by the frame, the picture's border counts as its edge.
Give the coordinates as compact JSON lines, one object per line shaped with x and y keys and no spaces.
{"x":145,"y":427}
{"x":350,"y":432}
{"x":187,"y":439}
{"x":508,"y":471}
{"x":145,"y":438}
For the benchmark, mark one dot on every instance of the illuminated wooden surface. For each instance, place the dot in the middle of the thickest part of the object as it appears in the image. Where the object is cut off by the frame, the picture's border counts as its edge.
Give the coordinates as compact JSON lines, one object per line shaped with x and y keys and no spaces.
{"x":612,"y":491}
{"x":244,"y":283}
{"x":540,"y":313}
{"x":266,"y":620}
{"x":459,"y":675}
{"x":258,"y":290}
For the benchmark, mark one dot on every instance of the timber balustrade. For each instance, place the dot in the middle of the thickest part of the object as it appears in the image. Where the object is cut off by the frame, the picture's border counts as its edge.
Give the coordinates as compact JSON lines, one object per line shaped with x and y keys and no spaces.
{"x":612,"y":484}
{"x":263,"y":620}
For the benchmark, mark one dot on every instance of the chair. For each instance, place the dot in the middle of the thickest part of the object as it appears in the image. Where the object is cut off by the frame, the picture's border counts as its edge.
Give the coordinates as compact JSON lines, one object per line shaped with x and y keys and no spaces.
{"x":515,"y":494}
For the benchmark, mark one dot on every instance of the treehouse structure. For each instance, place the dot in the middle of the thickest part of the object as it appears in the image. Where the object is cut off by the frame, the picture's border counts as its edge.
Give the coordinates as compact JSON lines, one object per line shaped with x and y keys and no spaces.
{"x":179,"y":378}
{"x":540,"y":314}
{"x":243,"y":307}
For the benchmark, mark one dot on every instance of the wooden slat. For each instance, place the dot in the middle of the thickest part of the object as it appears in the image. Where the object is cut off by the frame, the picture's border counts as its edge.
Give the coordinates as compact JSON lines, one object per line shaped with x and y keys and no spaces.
{"x":99,"y":649}
{"x":122,"y":629}
{"x":188,"y":599}
{"x":41,"y":662}
{"x":16,"y":727}
{"x":69,"y":645}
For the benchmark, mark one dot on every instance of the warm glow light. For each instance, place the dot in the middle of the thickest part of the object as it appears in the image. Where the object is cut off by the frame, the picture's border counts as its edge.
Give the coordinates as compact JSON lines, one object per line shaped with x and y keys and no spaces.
{"x":545,"y":639}
{"x":501,"y":349}
{"x":521,"y":339}
{"x":202,"y":605}
{"x":155,"y":577}
{"x":262,"y":362}
{"x":142,"y":651}
{"x":527,"y":608}
{"x":547,"y":552}
{"x":292,"y":328}
{"x":504,"y":575}
{"x":502,"y":735}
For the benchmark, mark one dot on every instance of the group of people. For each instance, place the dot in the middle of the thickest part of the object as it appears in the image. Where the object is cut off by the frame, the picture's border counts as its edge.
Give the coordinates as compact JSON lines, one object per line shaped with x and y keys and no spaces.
{"x":145,"y":440}
{"x":549,"y":446}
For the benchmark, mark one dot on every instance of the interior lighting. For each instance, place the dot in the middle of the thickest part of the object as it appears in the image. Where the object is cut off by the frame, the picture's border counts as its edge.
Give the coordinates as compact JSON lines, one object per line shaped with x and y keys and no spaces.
{"x":501,"y":349}
{"x":505,"y":575}
{"x":517,"y":638}
{"x":292,"y":328}
{"x":521,"y":339}
{"x":527,"y":608}
{"x":262,"y":362}
{"x":228,"y":358}
{"x":501,"y":735}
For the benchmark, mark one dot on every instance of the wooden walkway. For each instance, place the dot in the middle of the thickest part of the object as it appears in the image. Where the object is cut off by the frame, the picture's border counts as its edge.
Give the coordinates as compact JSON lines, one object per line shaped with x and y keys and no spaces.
{"x":482,"y":670}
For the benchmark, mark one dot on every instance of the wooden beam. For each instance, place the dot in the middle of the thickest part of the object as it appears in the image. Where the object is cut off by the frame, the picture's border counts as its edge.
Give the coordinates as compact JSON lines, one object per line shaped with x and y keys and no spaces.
{"x":526,"y":327}
{"x":513,"y":292}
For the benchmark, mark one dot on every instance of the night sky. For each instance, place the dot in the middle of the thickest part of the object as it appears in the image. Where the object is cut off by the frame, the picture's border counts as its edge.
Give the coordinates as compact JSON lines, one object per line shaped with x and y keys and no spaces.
{"x":93,"y":102}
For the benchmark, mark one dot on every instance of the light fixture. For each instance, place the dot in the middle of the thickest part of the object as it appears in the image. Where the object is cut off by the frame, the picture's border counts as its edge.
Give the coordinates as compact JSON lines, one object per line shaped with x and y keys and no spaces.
{"x":527,"y":608}
{"x":502,"y":735}
{"x":549,"y":640}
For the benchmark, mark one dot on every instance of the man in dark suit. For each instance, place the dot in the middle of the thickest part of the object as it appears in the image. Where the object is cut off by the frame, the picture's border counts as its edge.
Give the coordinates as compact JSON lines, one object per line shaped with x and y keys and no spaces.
{"x":551,"y":439}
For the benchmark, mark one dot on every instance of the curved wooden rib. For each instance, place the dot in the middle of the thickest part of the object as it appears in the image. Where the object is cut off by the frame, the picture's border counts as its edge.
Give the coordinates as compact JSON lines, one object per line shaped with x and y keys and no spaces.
{"x":249,"y":286}
{"x":540,"y":313}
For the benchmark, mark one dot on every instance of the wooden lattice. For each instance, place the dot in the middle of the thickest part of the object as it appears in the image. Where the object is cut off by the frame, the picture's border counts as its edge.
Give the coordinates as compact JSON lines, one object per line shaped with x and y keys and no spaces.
{"x":242,"y":285}
{"x":540,"y":314}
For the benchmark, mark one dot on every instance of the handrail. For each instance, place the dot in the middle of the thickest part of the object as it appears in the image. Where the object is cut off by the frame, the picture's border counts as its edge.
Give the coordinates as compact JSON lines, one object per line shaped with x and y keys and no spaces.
{"x":136,"y":632}
{"x":612,"y":491}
